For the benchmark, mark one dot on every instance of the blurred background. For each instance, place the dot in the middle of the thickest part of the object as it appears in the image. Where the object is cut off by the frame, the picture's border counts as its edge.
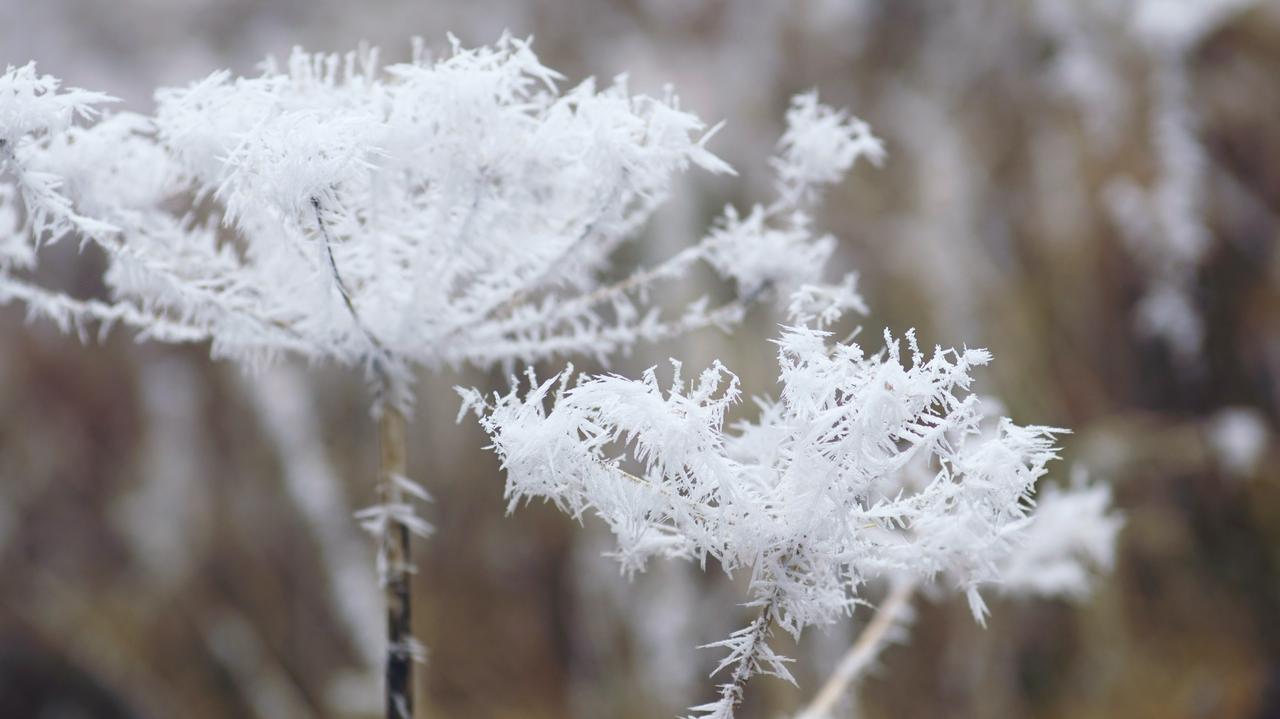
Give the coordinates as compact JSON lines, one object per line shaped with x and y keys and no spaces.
{"x":1088,"y":188}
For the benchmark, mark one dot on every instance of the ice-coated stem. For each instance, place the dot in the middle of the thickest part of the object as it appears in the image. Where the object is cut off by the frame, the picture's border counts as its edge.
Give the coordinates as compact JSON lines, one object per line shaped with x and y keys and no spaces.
{"x":736,"y":688}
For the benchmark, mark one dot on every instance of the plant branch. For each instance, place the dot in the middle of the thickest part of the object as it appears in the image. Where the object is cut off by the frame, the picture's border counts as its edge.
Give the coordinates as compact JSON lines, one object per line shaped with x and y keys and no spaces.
{"x":67,"y":312}
{"x":749,"y":654}
{"x":733,"y":691}
{"x":505,"y":305}
{"x":600,"y":340}
{"x":380,"y":352}
{"x":862,"y":653}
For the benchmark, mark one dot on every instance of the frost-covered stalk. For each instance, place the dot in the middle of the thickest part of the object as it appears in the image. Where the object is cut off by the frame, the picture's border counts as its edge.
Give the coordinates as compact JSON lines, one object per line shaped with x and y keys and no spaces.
{"x":394,"y":548}
{"x":868,"y":467}
{"x":430,"y":214}
{"x":749,"y":654}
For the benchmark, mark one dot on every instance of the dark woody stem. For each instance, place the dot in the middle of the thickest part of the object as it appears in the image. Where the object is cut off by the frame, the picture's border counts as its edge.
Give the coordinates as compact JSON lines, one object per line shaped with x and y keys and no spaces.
{"x":395,"y":552}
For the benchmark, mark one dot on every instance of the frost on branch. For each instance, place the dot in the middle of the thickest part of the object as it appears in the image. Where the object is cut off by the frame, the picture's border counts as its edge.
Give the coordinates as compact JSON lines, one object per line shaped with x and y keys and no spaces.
{"x":867,"y":466}
{"x":36,"y":129}
{"x":34,"y":112}
{"x":402,"y":213}
{"x":446,"y":212}
{"x":774,"y":246}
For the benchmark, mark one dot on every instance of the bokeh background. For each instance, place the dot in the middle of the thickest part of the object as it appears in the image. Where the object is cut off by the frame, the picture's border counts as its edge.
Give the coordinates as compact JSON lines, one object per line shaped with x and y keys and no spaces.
{"x":1089,"y":188}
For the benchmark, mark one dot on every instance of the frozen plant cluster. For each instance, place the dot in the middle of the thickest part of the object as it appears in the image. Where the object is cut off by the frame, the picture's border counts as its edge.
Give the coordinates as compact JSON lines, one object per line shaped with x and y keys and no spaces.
{"x":868,"y":466}
{"x":438,"y":212}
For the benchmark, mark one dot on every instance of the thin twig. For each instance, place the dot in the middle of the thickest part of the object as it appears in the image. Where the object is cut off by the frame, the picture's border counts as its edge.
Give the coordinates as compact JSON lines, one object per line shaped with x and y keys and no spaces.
{"x":379,"y":350}
{"x":862,"y":653}
{"x":693,"y":507}
{"x":734,"y":691}
{"x":506,"y":305}
{"x":74,"y":312}
{"x":601,"y":340}
{"x":149,"y":320}
{"x":641,"y":278}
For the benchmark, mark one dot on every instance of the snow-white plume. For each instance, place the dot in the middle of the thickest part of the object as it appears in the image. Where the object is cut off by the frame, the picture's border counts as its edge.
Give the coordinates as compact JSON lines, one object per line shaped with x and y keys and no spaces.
{"x":460,"y":211}
{"x":867,"y":466}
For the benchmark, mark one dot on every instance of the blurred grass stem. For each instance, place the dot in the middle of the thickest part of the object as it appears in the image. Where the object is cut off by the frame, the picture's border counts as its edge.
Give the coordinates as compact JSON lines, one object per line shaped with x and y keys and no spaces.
{"x":863,"y":652}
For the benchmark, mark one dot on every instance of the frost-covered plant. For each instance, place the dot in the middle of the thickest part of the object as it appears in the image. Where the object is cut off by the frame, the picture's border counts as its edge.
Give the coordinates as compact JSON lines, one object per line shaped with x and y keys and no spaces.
{"x":866,"y":467}
{"x":420,"y":214}
{"x":430,"y":213}
{"x":459,"y":211}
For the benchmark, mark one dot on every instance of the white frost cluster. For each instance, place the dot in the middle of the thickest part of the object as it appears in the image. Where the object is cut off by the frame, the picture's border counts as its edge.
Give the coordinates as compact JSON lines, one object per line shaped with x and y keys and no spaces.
{"x":773,"y":246}
{"x":36,"y":105}
{"x":819,"y":147}
{"x":867,"y":466}
{"x":758,"y":255}
{"x":1072,"y":533}
{"x":447,"y":212}
{"x":34,"y":112}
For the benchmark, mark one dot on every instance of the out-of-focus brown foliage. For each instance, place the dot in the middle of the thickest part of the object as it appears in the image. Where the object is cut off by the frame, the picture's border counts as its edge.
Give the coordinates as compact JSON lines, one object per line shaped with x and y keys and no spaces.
{"x":154,"y":563}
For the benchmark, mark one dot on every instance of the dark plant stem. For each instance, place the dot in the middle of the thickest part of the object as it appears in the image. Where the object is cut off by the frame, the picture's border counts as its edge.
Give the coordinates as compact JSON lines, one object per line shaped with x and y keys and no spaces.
{"x":395,"y":553}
